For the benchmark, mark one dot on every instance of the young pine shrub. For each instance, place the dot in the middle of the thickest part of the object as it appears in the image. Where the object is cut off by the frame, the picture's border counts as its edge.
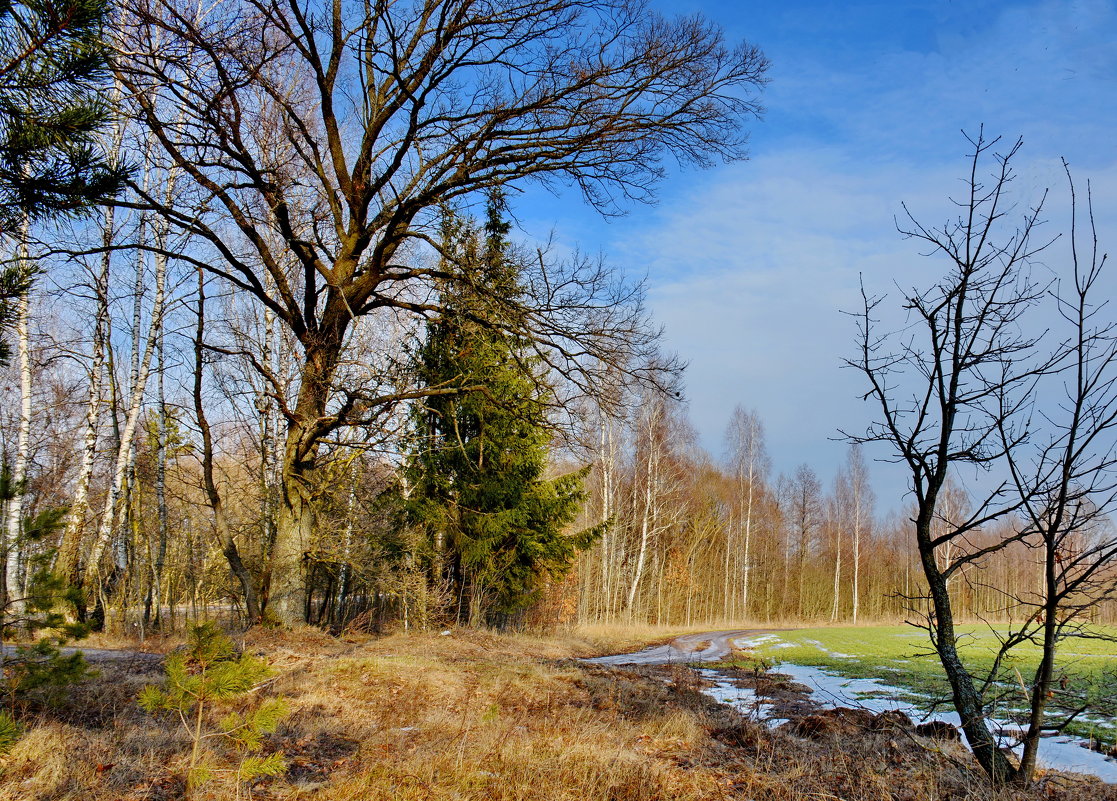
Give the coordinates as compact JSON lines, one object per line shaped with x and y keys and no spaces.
{"x":207,"y":674}
{"x":36,"y":673}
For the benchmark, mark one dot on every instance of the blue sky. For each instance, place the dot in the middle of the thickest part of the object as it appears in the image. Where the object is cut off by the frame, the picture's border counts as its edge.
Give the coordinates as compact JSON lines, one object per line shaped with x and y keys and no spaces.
{"x":750,"y":264}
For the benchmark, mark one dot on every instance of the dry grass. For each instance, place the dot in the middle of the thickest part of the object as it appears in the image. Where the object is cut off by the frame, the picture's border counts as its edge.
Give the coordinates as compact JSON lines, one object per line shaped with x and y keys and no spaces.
{"x":475,"y":715}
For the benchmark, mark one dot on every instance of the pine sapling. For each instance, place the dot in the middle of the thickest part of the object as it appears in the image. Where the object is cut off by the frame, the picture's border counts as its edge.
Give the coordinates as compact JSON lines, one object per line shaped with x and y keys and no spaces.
{"x":208,"y":672}
{"x":36,"y":672}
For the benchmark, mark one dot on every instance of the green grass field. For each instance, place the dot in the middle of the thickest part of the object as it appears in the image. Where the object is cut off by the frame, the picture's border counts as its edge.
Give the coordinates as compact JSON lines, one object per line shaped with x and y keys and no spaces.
{"x":902,"y":656}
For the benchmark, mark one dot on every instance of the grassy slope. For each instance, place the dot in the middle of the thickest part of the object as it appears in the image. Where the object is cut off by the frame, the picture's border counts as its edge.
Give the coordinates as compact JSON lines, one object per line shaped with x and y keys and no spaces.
{"x":902,"y":656}
{"x":473,"y":715}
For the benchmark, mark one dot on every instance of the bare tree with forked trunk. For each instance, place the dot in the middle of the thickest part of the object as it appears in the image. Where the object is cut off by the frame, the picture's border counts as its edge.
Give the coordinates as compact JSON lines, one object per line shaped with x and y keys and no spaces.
{"x":948,"y":386}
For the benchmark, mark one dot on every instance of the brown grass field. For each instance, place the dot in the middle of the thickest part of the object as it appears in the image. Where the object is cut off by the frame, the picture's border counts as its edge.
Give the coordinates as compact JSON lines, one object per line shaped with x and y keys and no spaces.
{"x":476,"y":715}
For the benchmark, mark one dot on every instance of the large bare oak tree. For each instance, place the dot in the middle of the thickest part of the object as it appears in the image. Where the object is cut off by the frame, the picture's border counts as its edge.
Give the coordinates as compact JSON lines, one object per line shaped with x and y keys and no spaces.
{"x":320,"y":139}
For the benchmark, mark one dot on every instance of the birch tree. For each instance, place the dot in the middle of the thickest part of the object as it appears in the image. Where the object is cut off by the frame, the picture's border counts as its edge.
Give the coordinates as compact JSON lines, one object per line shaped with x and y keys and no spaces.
{"x":13,"y":592}
{"x":749,"y":463}
{"x":134,"y":405}
{"x":860,"y":514}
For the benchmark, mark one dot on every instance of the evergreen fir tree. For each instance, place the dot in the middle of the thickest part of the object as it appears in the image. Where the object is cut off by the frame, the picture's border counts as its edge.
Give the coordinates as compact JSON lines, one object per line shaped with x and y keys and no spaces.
{"x":476,"y":472}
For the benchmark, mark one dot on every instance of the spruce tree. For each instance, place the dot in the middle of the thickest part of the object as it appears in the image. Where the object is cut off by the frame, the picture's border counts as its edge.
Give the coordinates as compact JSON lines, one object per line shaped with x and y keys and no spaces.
{"x":497,"y":526}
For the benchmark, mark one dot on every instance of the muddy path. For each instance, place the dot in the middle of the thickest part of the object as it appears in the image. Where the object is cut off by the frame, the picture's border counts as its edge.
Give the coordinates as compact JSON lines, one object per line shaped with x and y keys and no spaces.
{"x":707,"y":646}
{"x":780,"y":697}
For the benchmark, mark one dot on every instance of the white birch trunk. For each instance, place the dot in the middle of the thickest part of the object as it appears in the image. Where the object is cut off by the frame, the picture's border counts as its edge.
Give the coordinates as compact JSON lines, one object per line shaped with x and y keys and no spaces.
{"x":67,"y":560}
{"x":746,"y":445}
{"x":862,"y":504}
{"x":13,"y":591}
{"x":75,"y":517}
{"x":745,"y":572}
{"x":120,"y":550}
{"x":836,"y":523}
{"x":646,"y":521}
{"x":135,"y":404}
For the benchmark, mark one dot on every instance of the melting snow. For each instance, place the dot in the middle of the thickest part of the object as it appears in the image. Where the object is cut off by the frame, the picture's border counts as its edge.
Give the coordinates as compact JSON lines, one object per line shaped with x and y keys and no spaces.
{"x":743,"y":699}
{"x":1060,"y":753}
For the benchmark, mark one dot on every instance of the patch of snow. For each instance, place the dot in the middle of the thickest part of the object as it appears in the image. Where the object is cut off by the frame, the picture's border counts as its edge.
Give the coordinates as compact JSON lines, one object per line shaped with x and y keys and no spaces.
{"x":827,"y":651}
{"x":752,"y":642}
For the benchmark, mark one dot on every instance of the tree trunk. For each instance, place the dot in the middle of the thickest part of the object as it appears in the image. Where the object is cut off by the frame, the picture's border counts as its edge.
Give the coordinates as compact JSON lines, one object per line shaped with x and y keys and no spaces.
{"x":646,"y":524}
{"x":1041,"y":687}
{"x":728,"y":594}
{"x":68,"y":552}
{"x":66,"y":565}
{"x":155,"y":590}
{"x":856,"y":554}
{"x":967,"y":700}
{"x":747,"y":567}
{"x":837,"y":569}
{"x":135,"y":405}
{"x":213,"y":496}
{"x":13,"y":592}
{"x":141,"y":372}
{"x":295,"y":523}
{"x":347,"y":544}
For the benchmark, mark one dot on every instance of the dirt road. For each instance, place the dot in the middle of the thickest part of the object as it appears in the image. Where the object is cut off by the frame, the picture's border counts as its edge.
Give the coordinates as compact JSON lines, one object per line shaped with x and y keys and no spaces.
{"x":708,"y":646}
{"x":94,"y":655}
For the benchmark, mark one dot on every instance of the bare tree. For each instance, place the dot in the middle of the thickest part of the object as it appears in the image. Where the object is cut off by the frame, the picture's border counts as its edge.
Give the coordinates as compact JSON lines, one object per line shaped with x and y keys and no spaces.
{"x":801,"y":503}
{"x":854,"y":498}
{"x":649,"y":487}
{"x":1067,"y":490}
{"x":209,"y":483}
{"x":322,"y":139}
{"x":948,"y":385}
{"x":749,"y":464}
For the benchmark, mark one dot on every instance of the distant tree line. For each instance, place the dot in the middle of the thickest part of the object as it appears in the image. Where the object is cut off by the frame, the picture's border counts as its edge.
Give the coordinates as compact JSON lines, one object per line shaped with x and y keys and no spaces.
{"x":690,"y":539}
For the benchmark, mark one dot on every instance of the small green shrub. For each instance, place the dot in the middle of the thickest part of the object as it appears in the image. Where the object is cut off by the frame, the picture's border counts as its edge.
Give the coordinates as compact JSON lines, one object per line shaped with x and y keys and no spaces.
{"x":10,"y":732}
{"x":208,"y":672}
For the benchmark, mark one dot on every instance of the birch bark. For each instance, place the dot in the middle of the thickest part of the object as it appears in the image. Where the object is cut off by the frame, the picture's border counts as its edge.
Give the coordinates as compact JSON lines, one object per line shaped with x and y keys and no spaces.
{"x":13,"y":591}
